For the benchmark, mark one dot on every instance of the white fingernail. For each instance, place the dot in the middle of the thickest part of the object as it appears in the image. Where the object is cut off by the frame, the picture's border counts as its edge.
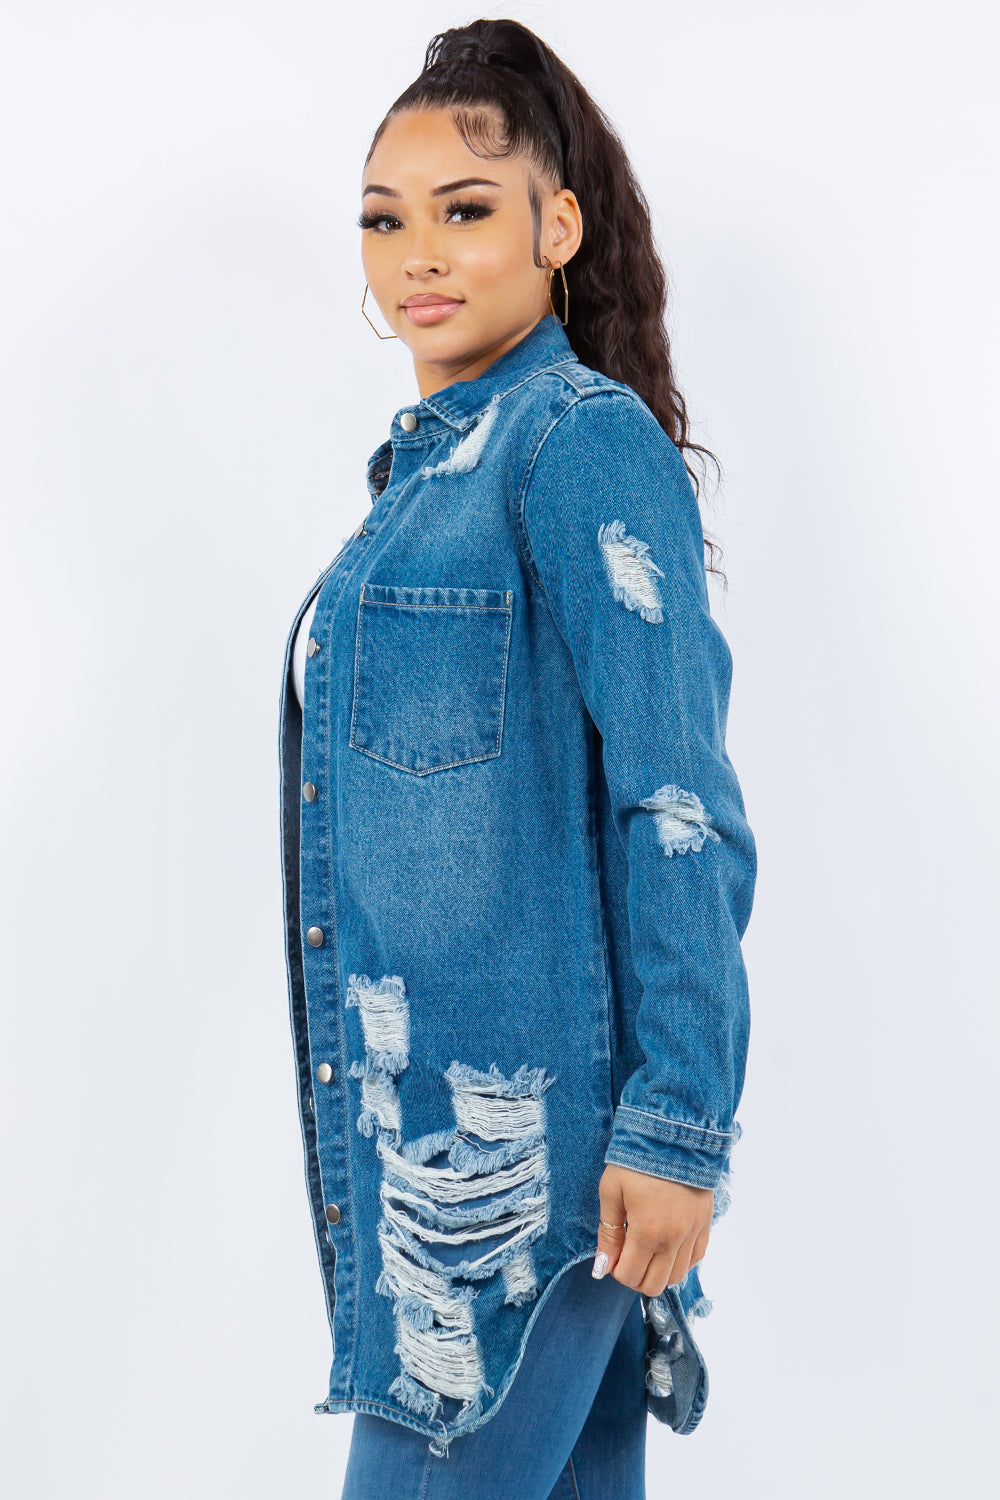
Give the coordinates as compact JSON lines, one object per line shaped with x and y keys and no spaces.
{"x":601,"y":1263}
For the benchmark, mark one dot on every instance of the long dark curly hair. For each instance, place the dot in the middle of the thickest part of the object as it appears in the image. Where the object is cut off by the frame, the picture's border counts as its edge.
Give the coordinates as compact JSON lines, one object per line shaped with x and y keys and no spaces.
{"x":491,"y":69}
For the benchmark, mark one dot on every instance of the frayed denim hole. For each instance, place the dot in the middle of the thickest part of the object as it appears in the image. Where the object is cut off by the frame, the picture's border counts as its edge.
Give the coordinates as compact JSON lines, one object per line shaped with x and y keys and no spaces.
{"x":631,"y":571}
{"x":682,"y":824}
{"x":458,"y":1205}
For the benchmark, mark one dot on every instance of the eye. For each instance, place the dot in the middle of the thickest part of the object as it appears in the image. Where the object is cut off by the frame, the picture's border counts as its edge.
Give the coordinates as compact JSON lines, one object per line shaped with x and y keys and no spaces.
{"x":372,"y":221}
{"x":469,"y":206}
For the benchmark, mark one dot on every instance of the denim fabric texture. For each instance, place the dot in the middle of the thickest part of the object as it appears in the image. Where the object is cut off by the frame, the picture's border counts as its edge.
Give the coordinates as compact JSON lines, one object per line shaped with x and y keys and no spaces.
{"x":572,"y":1427}
{"x":517,"y":872}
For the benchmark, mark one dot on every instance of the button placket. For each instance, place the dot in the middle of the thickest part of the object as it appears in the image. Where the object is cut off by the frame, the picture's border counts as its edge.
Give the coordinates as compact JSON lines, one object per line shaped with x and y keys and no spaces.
{"x":327,"y":1086}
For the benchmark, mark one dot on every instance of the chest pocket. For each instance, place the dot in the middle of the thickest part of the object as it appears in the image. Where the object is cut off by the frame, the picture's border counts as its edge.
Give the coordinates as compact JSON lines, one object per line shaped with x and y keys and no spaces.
{"x":430,"y":671}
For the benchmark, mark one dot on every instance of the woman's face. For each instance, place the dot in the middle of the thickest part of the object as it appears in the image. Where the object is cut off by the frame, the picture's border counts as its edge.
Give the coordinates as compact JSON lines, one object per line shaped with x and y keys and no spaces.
{"x":445,"y":224}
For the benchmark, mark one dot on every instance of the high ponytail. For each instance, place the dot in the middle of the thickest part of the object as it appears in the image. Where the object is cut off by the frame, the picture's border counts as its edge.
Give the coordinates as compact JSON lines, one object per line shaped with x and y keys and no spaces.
{"x":618,"y":285}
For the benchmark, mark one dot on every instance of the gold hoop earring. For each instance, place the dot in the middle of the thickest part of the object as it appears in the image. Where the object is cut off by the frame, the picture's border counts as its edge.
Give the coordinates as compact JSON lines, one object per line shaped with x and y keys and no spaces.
{"x":369,"y":321}
{"x":565,"y":296}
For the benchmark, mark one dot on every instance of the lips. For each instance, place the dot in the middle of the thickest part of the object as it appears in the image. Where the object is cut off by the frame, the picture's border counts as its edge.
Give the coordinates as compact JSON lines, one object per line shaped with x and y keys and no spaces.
{"x":429,"y":299}
{"x":430,"y":307}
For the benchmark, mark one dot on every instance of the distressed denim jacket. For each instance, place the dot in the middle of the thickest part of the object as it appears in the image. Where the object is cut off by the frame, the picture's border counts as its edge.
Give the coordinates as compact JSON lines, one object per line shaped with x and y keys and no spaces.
{"x":517,"y":872}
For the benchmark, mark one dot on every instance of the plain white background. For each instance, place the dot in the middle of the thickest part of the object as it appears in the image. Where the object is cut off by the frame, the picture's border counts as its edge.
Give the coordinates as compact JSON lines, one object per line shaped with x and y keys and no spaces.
{"x":189,"y":396}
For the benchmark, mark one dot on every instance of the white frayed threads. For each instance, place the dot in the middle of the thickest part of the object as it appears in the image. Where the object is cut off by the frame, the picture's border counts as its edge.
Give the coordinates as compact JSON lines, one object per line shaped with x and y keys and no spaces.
{"x":467,"y":453}
{"x":382,"y":1099}
{"x":385,"y":1018}
{"x":416,"y":1286}
{"x":446,"y":1362}
{"x":659,"y":1376}
{"x":520,"y":1280}
{"x":496,"y":1108}
{"x":630,"y":570}
{"x":519,"y":1220}
{"x":681,"y":821}
{"x":495,"y":1119}
{"x":660,"y":1316}
{"x":490,"y":1199}
{"x":446,"y":1185}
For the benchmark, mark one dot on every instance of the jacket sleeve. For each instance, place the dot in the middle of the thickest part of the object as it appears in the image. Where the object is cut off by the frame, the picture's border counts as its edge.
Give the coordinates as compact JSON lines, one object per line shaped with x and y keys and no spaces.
{"x":612,"y":531}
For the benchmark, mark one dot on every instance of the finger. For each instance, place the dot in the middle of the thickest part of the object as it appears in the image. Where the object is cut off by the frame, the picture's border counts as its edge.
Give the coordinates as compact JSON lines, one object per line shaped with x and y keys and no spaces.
{"x":700,"y":1246}
{"x":610,"y":1242}
{"x":682,"y":1263}
{"x":633,"y":1263}
{"x":688,"y":1255}
{"x":656,"y":1277}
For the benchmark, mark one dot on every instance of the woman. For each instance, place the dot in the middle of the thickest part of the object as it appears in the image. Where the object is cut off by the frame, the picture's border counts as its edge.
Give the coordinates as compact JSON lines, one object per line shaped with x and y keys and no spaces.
{"x":517,"y":866}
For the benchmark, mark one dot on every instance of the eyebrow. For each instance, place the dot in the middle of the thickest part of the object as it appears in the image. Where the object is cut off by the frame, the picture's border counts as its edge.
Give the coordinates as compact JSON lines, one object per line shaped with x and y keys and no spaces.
{"x":447,"y":187}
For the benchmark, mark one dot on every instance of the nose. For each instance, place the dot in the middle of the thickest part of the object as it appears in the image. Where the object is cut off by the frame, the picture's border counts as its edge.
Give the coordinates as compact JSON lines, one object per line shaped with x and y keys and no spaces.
{"x":423,"y":256}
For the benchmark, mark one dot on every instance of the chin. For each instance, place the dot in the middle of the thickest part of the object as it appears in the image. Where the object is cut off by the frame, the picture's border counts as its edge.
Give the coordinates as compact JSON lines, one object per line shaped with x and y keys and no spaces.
{"x":442,"y":347}
{"x":474,"y":340}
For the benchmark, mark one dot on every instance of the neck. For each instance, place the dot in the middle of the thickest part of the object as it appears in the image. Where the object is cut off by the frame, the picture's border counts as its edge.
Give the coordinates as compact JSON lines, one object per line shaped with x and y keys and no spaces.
{"x":435,"y":376}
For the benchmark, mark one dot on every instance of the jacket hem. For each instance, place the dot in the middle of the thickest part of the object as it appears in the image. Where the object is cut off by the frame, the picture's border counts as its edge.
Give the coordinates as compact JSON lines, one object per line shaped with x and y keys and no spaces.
{"x":444,"y":1432}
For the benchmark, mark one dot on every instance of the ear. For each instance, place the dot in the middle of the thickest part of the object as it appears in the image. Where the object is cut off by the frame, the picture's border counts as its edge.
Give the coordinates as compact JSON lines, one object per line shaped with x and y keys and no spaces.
{"x":564,"y":229}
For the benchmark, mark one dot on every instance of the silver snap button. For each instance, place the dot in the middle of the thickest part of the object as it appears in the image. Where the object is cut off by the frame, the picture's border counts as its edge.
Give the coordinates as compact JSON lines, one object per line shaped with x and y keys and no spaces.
{"x":324,"y":1072}
{"x":314,"y":935}
{"x":408,"y":421}
{"x":313,"y":645}
{"x":360,"y":531}
{"x":333,"y":1213}
{"x":309,"y":792}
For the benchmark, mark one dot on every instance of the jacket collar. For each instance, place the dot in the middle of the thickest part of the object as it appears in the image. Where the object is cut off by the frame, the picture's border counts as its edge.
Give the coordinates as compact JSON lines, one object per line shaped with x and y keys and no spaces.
{"x":460,"y":403}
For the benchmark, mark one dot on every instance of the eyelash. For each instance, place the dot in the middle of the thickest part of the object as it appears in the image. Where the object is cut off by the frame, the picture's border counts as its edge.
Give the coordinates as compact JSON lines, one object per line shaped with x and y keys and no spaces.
{"x":457,"y":205}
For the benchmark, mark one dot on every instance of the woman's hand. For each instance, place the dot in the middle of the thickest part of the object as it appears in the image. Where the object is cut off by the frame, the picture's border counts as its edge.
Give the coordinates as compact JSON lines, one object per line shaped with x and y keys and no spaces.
{"x":668,"y":1228}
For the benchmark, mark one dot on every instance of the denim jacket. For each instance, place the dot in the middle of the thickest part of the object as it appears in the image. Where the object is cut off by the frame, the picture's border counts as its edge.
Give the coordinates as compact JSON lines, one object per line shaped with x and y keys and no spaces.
{"x":517,"y":872}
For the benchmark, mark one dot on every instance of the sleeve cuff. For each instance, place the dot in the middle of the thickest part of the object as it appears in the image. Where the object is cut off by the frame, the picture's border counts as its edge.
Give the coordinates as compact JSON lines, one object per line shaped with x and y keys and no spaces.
{"x":673,"y":1149}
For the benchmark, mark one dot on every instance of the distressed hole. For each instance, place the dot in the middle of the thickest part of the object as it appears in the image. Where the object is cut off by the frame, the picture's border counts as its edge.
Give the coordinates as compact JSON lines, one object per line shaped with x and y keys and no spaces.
{"x":515,"y":1218}
{"x":447,"y":1258}
{"x":437,"y":1347}
{"x":468,"y":451}
{"x":449,"y":1363}
{"x":485,"y":1217}
{"x":424,"y":1147}
{"x":385,"y":1019}
{"x":659,"y":1376}
{"x":659,"y":1314}
{"x":496,"y":1108}
{"x":470,"y":1155}
{"x":449,"y":1223}
{"x":449,"y":1185}
{"x":417,"y":1286}
{"x":681,"y":821}
{"x":630,"y":571}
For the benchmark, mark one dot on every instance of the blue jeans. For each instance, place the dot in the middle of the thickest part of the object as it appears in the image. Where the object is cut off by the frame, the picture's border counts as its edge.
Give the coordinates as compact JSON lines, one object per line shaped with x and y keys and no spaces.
{"x":572,"y":1426}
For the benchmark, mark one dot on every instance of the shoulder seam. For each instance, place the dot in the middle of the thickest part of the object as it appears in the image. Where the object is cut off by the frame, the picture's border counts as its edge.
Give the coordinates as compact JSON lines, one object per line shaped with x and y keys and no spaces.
{"x":569,"y":402}
{"x":521,"y":536}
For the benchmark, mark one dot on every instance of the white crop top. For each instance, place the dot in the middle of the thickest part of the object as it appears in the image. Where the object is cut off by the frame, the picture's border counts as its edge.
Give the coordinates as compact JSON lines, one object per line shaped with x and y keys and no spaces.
{"x":305,"y":625}
{"x":299,"y":650}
